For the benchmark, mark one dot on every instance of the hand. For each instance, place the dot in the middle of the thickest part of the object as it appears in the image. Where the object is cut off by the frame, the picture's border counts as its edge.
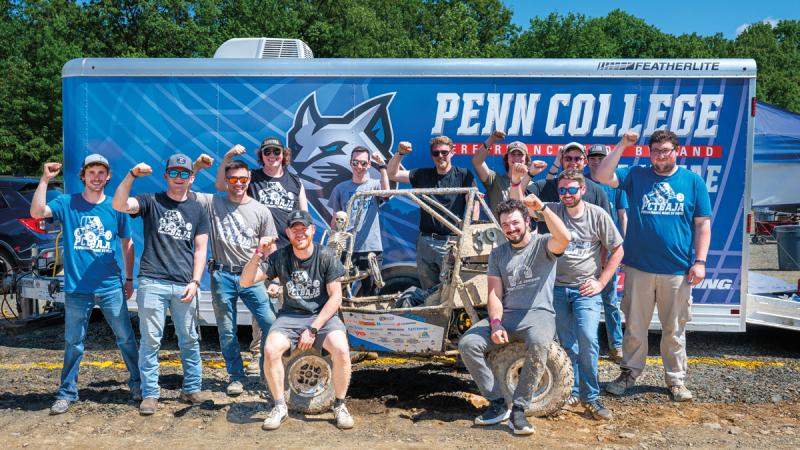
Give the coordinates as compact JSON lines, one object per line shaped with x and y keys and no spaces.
{"x":142,"y":170}
{"x":531,"y":201}
{"x":273,"y":290}
{"x":189,"y":292}
{"x":127,"y":288}
{"x":203,"y":162}
{"x":499,"y":335}
{"x":536,"y":168}
{"x":377,"y":158}
{"x":235,"y":151}
{"x":696,"y":274}
{"x":518,"y":171}
{"x":496,"y":136}
{"x":50,"y":170}
{"x":306,"y":340}
{"x":265,"y":243}
{"x":590,"y":288}
{"x":404,"y":148}
{"x":629,"y":138}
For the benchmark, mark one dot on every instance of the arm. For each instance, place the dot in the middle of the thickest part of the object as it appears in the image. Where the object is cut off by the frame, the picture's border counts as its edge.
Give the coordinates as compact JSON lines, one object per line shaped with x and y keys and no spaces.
{"x":39,"y":208}
{"x":559,"y":235}
{"x":553,"y":172}
{"x":605,"y":172}
{"x":202,"y":162}
{"x":128,"y":259}
{"x":381,"y":163}
{"x":122,"y":201}
{"x":479,"y":158}
{"x":494,"y":307}
{"x":519,"y":181}
{"x":252,"y":273}
{"x":702,"y":240}
{"x":393,"y":166}
{"x":199,"y":263}
{"x":594,"y":287}
{"x":302,"y":201}
{"x":622,"y":218}
{"x":219,"y":181}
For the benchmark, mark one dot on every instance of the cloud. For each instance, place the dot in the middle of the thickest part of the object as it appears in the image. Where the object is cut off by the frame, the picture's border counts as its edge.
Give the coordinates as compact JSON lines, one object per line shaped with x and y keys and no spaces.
{"x":769,"y":20}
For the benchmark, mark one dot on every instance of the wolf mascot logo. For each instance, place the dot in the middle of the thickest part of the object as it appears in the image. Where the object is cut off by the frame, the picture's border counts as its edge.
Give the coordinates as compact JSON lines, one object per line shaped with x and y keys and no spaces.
{"x":321,"y":145}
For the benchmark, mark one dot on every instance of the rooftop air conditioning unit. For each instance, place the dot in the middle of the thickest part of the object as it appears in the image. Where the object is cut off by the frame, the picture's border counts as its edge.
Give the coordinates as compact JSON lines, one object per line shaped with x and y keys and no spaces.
{"x":260,"y":48}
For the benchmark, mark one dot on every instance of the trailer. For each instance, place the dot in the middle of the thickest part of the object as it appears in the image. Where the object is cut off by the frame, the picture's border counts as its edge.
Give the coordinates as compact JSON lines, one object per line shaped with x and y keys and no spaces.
{"x":142,"y":110}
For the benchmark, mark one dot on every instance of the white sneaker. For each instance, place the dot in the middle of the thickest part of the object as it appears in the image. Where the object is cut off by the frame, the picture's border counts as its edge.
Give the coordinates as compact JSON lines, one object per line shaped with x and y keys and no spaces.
{"x":344,"y":420}
{"x":275,"y":418}
{"x":680,"y":393}
{"x":235,"y":388}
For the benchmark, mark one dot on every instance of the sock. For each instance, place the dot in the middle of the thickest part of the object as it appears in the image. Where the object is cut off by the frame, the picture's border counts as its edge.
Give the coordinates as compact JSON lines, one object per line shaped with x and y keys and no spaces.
{"x":280,"y":402}
{"x":338,"y":402}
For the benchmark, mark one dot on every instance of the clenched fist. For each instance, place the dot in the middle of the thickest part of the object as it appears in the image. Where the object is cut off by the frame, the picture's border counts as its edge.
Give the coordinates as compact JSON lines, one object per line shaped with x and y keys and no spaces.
{"x":265,"y":242}
{"x":496,"y":136}
{"x":532,"y":202}
{"x":518,"y":171}
{"x":377,"y":158}
{"x":50,"y":170}
{"x":404,"y":148}
{"x":536,"y":168}
{"x":629,"y":138}
{"x":141,"y":170}
{"x":203,"y":162}
{"x":236,"y":150}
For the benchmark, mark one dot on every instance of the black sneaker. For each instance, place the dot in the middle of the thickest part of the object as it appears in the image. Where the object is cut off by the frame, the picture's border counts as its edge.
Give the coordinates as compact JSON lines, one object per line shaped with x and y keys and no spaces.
{"x":495,"y":413}
{"x":519,"y":423}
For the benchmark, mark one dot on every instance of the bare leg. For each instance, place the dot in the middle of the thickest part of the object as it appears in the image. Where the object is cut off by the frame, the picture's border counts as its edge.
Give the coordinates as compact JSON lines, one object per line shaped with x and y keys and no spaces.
{"x":277,"y":344}
{"x":336,"y":344}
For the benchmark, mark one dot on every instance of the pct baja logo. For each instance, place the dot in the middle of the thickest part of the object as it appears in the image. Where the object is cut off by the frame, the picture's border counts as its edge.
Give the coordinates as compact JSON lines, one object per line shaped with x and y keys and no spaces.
{"x":92,"y":235}
{"x":321,"y":145}
{"x":172,"y":224}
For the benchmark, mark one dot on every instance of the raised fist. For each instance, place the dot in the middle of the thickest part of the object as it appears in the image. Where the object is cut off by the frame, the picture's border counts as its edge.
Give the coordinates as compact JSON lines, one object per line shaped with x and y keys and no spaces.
{"x":532,"y":202}
{"x":236,"y":150}
{"x":518,"y":171}
{"x":203,"y":162}
{"x":50,"y":170}
{"x":629,"y":138}
{"x":265,"y":242}
{"x":497,"y":136}
{"x":404,"y":148}
{"x":141,"y":170}
{"x":536,"y":168}
{"x":377,"y":158}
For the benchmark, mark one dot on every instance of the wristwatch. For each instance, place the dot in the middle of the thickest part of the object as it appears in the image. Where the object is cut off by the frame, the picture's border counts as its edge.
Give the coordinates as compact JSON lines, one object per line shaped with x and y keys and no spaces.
{"x":382,"y":167}
{"x":313,"y":331}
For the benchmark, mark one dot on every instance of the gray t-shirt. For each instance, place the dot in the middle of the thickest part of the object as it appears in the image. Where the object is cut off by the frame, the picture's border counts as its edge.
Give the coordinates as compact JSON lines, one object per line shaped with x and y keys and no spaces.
{"x":497,"y":186}
{"x":237,"y":228}
{"x":368,"y":234}
{"x":589,"y":232}
{"x":528,"y":274}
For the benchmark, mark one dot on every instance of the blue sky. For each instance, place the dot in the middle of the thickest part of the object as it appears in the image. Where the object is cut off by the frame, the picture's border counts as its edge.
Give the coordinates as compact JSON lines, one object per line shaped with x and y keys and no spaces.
{"x":704,"y":17}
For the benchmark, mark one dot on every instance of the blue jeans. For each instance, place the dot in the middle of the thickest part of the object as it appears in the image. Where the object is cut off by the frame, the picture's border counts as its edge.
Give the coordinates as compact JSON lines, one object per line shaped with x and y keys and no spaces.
{"x":612,"y":315}
{"x":77,"y":309}
{"x":154,"y":297}
{"x":430,"y":253}
{"x":577,"y":319}
{"x":225,"y":291}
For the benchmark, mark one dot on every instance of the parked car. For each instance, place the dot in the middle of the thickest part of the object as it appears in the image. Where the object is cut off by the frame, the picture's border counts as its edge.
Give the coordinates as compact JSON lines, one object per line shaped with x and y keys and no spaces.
{"x":19,"y":232}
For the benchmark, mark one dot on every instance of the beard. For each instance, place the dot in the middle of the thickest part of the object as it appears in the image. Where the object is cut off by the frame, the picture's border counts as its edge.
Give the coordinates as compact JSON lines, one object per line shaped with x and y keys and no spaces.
{"x":517,"y":240}
{"x":575,"y":204}
{"x":301,"y":244}
{"x":664,"y":167}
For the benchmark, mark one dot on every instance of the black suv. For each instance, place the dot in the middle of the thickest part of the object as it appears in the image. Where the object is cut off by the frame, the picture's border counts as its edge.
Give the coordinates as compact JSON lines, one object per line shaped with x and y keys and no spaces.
{"x":18,"y":231}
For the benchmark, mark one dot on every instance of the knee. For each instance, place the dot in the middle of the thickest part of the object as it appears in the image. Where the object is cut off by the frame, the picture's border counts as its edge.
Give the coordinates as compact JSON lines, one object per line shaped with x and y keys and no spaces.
{"x":340,"y":353}
{"x":272,"y":351}
{"x":470,"y":345}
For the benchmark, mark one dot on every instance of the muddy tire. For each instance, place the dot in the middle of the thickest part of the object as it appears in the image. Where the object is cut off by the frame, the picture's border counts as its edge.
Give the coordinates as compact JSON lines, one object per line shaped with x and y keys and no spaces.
{"x":308,"y":382}
{"x":554,"y":387}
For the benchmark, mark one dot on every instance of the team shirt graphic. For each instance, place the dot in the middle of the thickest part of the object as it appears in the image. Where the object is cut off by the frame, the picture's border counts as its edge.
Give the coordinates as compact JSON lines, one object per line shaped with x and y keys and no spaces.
{"x":301,"y":286}
{"x":172,"y":224}
{"x":663,"y":200}
{"x":91,"y":235}
{"x":234,"y":230}
{"x":275,"y":196}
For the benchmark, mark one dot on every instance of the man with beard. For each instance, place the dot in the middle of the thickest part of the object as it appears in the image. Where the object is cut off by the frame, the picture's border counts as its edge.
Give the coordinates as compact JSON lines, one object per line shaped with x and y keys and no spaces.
{"x":434,"y":236}
{"x":666,"y":245}
{"x":175,"y":245}
{"x":521,"y":273}
{"x":92,"y":234}
{"x":580,"y":280}
{"x":311,"y":278}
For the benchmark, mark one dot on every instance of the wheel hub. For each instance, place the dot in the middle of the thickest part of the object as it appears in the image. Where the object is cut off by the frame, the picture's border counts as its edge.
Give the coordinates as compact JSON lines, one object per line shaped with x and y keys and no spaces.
{"x":309,"y":376}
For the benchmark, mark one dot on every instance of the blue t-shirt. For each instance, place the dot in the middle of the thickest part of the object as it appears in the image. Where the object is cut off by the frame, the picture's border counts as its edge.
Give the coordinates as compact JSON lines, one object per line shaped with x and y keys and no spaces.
{"x":91,"y":235}
{"x":368,"y":234}
{"x":616,"y":199}
{"x":660,"y":235}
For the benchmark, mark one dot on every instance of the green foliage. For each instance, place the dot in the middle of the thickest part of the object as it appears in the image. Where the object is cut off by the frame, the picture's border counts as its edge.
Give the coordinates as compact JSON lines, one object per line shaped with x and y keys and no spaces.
{"x":40,"y":36}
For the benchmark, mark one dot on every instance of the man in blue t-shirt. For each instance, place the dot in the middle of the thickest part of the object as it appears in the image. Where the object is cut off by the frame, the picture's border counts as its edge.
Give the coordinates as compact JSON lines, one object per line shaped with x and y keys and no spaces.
{"x":666,"y":245}
{"x":92,"y":232}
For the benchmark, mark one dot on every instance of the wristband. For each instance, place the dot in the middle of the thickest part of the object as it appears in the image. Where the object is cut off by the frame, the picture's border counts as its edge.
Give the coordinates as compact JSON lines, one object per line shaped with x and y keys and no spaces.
{"x":259,"y":253}
{"x":133,"y":174}
{"x":494,"y":323}
{"x":541,"y":210}
{"x":128,"y":279}
{"x":383,"y":167}
{"x":513,"y":185}
{"x":700,"y":261}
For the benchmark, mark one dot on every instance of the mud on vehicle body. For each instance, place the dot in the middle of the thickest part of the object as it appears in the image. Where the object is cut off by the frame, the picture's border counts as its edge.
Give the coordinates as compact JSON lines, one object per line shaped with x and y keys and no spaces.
{"x":432,"y":326}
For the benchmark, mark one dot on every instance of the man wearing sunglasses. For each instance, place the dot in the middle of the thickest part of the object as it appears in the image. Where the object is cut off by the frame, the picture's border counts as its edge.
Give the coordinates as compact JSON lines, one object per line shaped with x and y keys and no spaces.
{"x":580,"y":279}
{"x":238,"y":224}
{"x":434,"y":236}
{"x":368,"y":233}
{"x":666,"y":248}
{"x":175,"y":243}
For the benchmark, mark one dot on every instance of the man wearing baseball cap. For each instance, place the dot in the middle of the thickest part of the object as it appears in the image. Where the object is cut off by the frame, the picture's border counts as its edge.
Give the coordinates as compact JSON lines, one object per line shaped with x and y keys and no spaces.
{"x":175,"y":242}
{"x":92,"y":233}
{"x":311,"y":279}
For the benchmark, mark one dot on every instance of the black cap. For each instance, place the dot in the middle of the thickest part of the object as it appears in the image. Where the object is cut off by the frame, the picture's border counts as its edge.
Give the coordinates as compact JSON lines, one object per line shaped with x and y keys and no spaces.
{"x":598,"y":150}
{"x":271,"y":142}
{"x":300,"y":216}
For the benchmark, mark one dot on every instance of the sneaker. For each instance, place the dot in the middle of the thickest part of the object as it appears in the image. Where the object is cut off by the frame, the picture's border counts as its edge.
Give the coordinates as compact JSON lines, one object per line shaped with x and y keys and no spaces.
{"x":597,"y":410}
{"x":572,"y":401}
{"x":136,"y":394}
{"x":344,"y":421}
{"x":195,"y":398}
{"x":680,"y":393}
{"x":615,"y":354}
{"x":148,"y":406}
{"x":519,"y":423}
{"x":252,"y":366}
{"x":234,"y":389}
{"x":59,"y":407}
{"x":277,"y":415}
{"x":495,"y":413}
{"x":624,"y":381}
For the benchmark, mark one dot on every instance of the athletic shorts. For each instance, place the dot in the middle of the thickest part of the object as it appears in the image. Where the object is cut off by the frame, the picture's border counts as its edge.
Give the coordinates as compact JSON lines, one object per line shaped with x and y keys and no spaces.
{"x":293,"y":326}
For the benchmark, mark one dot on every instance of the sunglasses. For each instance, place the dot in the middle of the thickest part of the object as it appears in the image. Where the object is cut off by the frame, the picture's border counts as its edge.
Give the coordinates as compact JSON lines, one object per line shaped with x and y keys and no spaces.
{"x":233,"y":180}
{"x":572,"y":158}
{"x":182,"y":174}
{"x":571,"y":190}
{"x":274,"y":151}
{"x":440,"y":153}
{"x":355,"y":163}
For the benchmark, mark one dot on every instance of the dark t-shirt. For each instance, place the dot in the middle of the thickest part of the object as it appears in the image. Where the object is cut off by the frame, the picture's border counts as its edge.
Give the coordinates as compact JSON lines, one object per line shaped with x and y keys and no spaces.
{"x":547,"y":191}
{"x":457,"y":177}
{"x":169,"y":231}
{"x":305,"y":291}
{"x":279,"y":194}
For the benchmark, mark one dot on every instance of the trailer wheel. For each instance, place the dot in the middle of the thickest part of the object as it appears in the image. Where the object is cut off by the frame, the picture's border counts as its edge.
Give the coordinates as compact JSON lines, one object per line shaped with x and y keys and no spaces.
{"x":308,"y":382}
{"x":554,"y":387}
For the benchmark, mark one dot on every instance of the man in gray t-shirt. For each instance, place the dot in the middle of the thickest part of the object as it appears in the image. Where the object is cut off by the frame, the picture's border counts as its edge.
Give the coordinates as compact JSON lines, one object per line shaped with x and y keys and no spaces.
{"x":520,"y":278}
{"x":238,"y":224}
{"x":580,"y":279}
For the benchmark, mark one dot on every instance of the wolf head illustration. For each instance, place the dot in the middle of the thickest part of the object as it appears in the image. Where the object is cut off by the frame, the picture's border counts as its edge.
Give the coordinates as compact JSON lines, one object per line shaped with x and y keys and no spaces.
{"x":321,"y":145}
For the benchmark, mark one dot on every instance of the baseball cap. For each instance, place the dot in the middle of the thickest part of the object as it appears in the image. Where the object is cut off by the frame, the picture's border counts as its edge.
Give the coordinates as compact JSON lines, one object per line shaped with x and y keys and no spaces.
{"x":299,"y":216}
{"x":598,"y":150}
{"x":575,"y":146}
{"x":271,"y":142}
{"x":95,"y":158}
{"x":179,"y":161}
{"x":517,"y":146}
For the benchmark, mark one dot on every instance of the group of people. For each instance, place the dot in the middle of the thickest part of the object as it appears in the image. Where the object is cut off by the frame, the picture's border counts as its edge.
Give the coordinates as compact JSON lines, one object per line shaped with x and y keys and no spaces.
{"x":552,"y":278}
